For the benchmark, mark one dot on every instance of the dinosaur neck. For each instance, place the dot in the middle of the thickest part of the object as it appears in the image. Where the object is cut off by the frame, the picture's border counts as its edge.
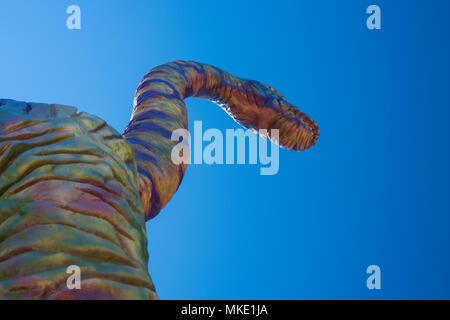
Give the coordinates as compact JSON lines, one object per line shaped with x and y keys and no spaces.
{"x":159,"y":109}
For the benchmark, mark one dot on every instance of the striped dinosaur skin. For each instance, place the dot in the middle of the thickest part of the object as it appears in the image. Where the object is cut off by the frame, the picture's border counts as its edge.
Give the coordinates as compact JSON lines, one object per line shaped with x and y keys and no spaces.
{"x":159,"y":109}
{"x":73,"y":191}
{"x":68,"y":195}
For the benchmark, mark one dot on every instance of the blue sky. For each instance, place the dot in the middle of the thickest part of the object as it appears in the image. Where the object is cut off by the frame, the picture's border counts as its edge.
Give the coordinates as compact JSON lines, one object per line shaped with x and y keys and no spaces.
{"x":375,"y":188}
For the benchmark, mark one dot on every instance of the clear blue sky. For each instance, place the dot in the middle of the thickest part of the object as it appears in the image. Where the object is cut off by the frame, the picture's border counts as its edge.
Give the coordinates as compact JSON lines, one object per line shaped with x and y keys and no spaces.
{"x":374,"y":190}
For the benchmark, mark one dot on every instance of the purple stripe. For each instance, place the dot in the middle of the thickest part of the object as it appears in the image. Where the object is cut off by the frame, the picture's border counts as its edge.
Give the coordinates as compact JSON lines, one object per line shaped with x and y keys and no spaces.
{"x":151,"y":94}
{"x":149,"y":127}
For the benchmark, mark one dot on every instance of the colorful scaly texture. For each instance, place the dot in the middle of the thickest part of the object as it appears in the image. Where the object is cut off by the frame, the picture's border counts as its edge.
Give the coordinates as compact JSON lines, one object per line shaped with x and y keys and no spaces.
{"x":159,"y":109}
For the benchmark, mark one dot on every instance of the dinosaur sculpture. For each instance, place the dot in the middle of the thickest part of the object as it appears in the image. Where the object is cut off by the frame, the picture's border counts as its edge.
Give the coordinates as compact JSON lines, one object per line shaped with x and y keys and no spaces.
{"x":73,"y":191}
